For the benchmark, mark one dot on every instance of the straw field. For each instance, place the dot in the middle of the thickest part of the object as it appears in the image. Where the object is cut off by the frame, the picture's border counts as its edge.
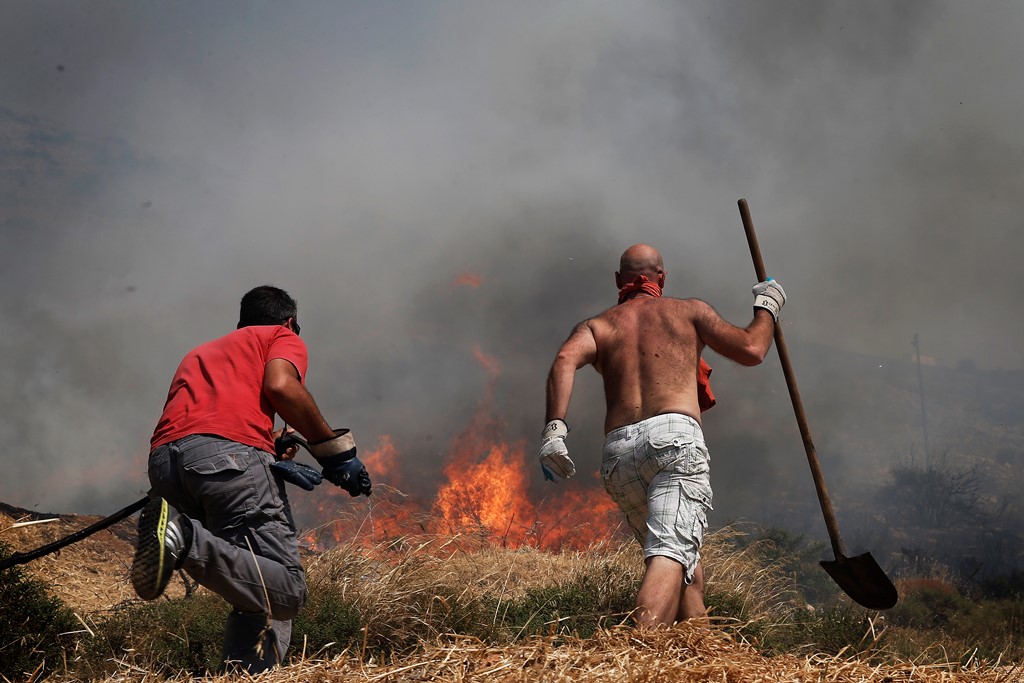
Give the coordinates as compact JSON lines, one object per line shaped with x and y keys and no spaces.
{"x":465,"y":609}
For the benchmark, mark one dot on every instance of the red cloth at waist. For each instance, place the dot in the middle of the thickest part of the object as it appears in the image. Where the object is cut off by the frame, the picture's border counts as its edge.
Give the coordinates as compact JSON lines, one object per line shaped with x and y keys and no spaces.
{"x":705,"y":397}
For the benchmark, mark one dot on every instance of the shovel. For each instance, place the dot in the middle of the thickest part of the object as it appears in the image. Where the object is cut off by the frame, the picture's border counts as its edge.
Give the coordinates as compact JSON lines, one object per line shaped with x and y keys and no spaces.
{"x":860,"y":577}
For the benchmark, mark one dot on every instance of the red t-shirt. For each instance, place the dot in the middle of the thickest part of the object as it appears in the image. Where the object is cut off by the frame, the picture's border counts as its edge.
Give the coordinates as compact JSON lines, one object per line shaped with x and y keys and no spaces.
{"x":218,"y":387}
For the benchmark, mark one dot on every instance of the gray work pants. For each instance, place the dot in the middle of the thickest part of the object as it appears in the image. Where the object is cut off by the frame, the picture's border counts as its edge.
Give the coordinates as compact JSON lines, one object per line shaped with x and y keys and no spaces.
{"x":234,"y":501}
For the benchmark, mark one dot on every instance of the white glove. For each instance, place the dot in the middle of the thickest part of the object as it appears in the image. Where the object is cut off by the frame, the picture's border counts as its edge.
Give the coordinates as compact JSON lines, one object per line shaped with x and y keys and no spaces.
{"x":770,"y":296}
{"x":554,"y":456}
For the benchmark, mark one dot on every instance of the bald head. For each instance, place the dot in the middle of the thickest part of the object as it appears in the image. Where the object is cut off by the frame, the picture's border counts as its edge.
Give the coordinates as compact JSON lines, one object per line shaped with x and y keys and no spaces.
{"x":641,"y":259}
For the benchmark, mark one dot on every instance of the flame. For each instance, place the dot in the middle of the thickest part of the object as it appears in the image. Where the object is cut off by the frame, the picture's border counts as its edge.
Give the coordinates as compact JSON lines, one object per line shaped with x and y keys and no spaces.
{"x":468,"y":280}
{"x":491,"y":365}
{"x":491,"y":496}
{"x":383,"y":462}
{"x":487,"y":491}
{"x":486,"y":495}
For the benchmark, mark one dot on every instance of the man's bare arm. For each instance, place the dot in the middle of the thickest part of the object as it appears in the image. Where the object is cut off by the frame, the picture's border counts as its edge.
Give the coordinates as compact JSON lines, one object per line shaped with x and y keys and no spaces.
{"x":745,"y":345}
{"x":293,"y":402}
{"x":578,"y":350}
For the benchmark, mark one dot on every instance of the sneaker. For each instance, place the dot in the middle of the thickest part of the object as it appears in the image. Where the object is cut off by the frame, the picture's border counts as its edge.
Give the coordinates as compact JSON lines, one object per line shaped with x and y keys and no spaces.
{"x":164,"y":540}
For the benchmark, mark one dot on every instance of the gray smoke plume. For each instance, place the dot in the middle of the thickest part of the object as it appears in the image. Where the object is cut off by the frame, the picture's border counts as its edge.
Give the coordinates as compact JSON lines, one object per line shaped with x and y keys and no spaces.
{"x":433,"y":179}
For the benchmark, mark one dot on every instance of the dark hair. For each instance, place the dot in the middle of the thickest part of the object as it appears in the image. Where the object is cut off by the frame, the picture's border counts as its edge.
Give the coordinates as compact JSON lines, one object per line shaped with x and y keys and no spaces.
{"x":266,"y":305}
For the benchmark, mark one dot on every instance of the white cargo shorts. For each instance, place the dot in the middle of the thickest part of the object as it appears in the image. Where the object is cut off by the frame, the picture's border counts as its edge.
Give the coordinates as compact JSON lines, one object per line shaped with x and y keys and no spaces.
{"x":658,"y":472}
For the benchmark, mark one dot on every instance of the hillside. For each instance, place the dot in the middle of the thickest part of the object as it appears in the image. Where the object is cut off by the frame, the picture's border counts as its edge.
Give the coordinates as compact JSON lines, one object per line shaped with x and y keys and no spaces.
{"x":443,"y":608}
{"x":90,"y":576}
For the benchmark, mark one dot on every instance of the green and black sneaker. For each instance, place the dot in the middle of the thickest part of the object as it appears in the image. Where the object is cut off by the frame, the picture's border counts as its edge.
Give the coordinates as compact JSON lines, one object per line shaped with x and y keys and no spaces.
{"x":164,"y":540}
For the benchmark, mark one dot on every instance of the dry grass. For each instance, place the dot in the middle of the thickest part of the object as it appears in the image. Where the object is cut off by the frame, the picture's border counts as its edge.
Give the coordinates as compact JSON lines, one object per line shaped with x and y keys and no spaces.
{"x":91,"y":575}
{"x":684,"y":653}
{"x":423,"y":586}
{"x":409,"y":591}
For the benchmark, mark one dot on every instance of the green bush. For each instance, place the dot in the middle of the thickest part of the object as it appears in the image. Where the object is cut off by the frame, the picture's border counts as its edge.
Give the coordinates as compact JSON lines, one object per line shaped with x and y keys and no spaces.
{"x":996,"y":627}
{"x":35,"y":626}
{"x":930,"y":605}
{"x":578,"y":607}
{"x":325,"y":626}
{"x":1007,"y":586}
{"x":165,"y":636}
{"x":725,"y":605}
{"x":826,"y":631}
{"x":799,"y":558}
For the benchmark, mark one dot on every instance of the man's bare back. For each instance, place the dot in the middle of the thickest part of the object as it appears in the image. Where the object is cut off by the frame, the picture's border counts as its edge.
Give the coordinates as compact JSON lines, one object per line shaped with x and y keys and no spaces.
{"x":647,"y":353}
{"x":647,"y":348}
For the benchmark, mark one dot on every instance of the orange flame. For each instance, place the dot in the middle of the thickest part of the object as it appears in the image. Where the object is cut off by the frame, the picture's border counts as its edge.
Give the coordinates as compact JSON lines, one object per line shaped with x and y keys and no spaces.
{"x":468,"y":280}
{"x":486,"y":492}
{"x":383,"y":462}
{"x":486,"y":495}
{"x":491,"y":365}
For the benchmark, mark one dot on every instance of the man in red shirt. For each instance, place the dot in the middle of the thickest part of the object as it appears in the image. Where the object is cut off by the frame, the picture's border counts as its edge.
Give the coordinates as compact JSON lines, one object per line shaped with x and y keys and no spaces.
{"x":218,"y":508}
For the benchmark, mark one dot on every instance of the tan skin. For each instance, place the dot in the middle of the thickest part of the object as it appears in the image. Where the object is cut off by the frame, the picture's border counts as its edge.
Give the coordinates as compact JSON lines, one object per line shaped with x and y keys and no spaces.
{"x":647,"y":351}
{"x":292,"y":401}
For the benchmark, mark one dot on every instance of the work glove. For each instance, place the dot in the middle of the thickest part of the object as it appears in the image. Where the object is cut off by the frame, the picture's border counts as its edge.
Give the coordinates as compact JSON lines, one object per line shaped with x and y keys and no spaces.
{"x":770,"y":296}
{"x":288,"y":439}
{"x":340,"y":465}
{"x":296,"y":473}
{"x":554,"y":456}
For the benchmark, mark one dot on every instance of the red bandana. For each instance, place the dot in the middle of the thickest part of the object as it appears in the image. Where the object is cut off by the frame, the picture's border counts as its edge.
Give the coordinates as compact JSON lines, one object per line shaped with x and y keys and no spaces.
{"x":705,"y":397}
{"x":640,"y":284}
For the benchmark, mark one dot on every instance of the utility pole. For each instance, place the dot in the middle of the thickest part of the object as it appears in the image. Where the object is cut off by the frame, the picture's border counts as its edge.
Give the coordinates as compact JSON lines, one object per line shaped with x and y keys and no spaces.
{"x":920,"y":388}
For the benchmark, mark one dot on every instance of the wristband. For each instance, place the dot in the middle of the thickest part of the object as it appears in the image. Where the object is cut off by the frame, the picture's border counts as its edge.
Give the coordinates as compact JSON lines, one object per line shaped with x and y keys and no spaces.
{"x":769,"y":304}
{"x":556,"y":429}
{"x":343,"y":443}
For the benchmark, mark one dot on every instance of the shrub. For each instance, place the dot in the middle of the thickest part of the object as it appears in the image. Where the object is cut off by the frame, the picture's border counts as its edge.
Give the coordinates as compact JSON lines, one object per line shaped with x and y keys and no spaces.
{"x":929,"y":604}
{"x":828,"y":631}
{"x":325,"y":626}
{"x":164,"y":636}
{"x":997,"y":629}
{"x":35,"y":626}
{"x":1010,"y":586}
{"x":578,"y":607}
{"x":187,"y":634}
{"x":794,"y":557}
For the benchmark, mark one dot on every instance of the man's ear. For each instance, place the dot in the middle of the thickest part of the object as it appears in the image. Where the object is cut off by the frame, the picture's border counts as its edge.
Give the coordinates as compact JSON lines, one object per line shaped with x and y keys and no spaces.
{"x":661,"y":279}
{"x":618,"y":280}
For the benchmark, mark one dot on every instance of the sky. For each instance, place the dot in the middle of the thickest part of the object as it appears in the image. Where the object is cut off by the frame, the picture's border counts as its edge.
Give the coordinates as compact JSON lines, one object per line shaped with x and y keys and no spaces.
{"x":442,"y":182}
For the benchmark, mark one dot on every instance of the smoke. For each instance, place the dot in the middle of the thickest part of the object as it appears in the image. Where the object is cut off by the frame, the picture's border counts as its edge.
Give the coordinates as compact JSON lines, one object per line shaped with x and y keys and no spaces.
{"x":432,"y":179}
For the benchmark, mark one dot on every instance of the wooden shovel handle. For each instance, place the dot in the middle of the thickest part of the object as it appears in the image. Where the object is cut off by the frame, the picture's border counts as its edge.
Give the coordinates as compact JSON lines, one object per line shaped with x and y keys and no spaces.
{"x":794,"y":395}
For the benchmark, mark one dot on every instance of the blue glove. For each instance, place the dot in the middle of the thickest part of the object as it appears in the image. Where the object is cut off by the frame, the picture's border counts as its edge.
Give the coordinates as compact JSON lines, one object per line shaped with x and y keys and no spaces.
{"x":341,"y":467}
{"x":296,"y":473}
{"x":350,"y":474}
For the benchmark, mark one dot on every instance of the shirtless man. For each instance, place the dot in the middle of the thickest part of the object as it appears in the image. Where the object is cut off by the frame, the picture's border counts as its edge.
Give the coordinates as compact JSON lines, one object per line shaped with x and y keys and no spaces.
{"x":655,"y":463}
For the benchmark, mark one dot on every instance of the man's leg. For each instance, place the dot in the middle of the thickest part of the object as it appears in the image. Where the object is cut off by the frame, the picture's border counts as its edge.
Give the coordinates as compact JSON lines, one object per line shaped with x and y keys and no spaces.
{"x":244,"y":546}
{"x":658,"y":601}
{"x":678,"y":498}
{"x":691,"y":604}
{"x":271,"y":638}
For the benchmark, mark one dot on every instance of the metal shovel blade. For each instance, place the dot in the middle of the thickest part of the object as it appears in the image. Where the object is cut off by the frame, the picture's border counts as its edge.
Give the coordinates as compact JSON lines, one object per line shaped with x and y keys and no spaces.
{"x":863,"y":580}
